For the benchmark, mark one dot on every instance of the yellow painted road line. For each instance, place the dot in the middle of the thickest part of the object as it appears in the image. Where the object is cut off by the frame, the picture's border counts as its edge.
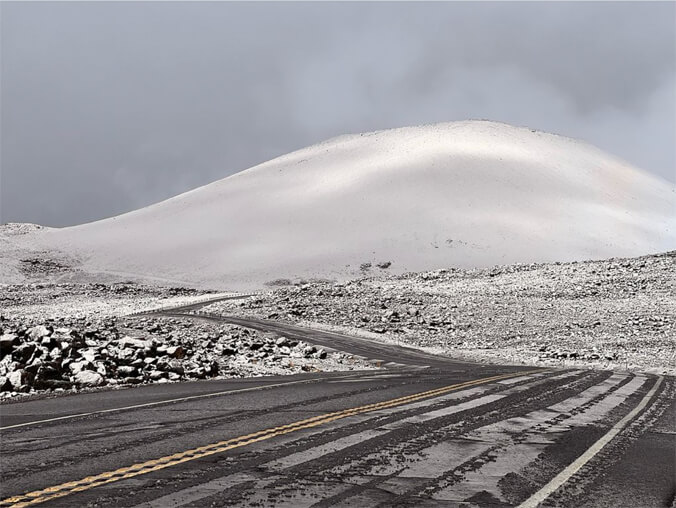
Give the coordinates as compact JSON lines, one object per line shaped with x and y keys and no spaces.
{"x":64,"y":489}
{"x":561,"y":478}
{"x":171,"y":401}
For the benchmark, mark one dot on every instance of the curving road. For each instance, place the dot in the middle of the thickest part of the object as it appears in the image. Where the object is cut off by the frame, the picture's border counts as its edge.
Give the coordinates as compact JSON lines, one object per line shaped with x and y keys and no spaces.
{"x":426,"y":431}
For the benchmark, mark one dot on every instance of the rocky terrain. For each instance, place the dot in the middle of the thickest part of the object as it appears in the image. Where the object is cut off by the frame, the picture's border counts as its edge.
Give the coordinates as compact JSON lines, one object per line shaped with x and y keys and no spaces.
{"x":616,"y":314}
{"x":57,"y":338}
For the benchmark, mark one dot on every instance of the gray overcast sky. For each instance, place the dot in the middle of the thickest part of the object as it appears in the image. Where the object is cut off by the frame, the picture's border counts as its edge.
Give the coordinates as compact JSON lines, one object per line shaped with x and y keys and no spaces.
{"x":107,"y":107}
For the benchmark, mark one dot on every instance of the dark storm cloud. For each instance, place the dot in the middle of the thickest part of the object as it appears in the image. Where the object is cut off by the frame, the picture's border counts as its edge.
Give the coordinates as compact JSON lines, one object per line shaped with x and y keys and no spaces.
{"x":107,"y":107}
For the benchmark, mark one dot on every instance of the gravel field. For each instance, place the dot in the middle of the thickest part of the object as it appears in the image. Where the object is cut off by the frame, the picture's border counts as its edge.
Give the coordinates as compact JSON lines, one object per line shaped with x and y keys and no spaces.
{"x":611,"y":314}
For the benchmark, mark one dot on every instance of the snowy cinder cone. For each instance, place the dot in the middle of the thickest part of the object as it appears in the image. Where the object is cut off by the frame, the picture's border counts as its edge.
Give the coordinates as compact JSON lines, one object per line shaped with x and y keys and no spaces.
{"x":465,"y":194}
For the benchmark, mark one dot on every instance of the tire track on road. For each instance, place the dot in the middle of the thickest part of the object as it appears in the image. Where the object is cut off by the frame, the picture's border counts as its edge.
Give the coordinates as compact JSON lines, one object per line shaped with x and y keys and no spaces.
{"x":345,"y":482}
{"x":282,"y":475}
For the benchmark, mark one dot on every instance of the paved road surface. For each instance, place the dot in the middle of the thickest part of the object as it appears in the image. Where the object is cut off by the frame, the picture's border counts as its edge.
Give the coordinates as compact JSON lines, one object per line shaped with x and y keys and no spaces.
{"x":452,"y":434}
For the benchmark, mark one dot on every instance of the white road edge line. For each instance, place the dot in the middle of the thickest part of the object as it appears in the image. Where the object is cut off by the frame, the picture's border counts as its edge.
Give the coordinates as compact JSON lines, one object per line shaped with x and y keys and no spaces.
{"x":561,"y":478}
{"x":169,"y":401}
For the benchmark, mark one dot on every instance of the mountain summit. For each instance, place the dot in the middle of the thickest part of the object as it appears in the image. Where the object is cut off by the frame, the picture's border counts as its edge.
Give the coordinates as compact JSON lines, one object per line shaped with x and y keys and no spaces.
{"x":464,"y":194}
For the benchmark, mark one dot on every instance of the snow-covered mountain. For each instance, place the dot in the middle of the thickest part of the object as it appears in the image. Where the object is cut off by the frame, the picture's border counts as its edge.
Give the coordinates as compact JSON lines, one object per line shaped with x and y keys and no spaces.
{"x":462,"y":194}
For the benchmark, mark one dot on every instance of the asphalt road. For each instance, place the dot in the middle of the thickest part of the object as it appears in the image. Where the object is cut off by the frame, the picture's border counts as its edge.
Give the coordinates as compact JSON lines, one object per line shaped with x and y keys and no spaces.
{"x":424,"y":432}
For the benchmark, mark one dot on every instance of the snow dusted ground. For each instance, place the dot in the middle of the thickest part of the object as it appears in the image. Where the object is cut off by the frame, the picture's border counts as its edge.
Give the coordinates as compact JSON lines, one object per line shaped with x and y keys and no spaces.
{"x":466,"y":194}
{"x":612,"y":314}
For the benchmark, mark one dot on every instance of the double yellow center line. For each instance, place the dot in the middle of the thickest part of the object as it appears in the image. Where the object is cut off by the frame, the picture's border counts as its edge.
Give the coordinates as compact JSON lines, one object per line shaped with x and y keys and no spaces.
{"x":64,"y":489}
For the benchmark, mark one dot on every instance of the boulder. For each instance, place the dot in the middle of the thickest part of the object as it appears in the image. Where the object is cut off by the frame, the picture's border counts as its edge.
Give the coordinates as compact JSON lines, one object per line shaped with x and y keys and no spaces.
{"x":155,"y":375}
{"x":38,"y":332}
{"x":55,"y":353}
{"x":88,"y":378}
{"x":24,"y":352}
{"x":90,"y":354}
{"x":101,"y":369}
{"x":126,"y":370}
{"x":48,"y":371}
{"x":123,"y":355}
{"x":20,"y":378}
{"x":5,"y":384}
{"x":176,"y":352}
{"x":76,"y":367}
{"x":7,"y":343}
{"x":282,"y":341}
{"x":213,"y":369}
{"x":131,"y":342}
{"x":198,"y":373}
{"x":55,"y":384}
{"x":174,"y":366}
{"x":48,"y":342}
{"x":33,"y":366}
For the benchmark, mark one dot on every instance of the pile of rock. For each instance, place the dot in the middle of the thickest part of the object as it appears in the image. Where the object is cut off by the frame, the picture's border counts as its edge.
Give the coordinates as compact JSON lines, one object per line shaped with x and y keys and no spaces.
{"x":77,"y":354}
{"x":47,"y":357}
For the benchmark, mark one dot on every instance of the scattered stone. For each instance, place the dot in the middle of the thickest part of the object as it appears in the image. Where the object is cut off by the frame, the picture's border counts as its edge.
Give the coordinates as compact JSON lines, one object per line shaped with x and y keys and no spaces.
{"x":19,"y":378}
{"x":37,"y":332}
{"x":88,"y":378}
{"x":130,"y":342}
{"x":614,"y":314}
{"x":7,"y":343}
{"x":176,"y":352}
{"x":126,"y":370}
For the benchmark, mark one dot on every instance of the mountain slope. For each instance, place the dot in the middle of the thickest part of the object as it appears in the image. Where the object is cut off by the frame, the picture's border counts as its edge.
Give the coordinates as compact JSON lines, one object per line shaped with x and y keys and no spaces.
{"x":457,"y":194}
